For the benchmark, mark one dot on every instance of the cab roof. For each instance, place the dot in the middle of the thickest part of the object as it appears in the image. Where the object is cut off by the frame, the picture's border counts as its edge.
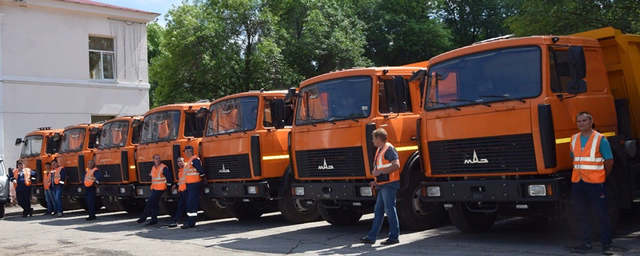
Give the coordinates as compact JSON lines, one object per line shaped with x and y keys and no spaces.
{"x":44,"y":132}
{"x":178,"y":106}
{"x":85,"y":125}
{"x":372,"y":71}
{"x":252,"y":93}
{"x":123,"y":118}
{"x":513,"y":42}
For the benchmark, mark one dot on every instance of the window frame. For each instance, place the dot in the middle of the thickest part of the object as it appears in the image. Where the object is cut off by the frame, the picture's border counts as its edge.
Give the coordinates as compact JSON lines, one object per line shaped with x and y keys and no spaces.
{"x":101,"y":63}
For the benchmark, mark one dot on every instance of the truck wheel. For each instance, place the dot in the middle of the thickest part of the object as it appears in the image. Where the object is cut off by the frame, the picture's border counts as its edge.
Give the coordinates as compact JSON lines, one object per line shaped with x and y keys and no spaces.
{"x":168,"y":207}
{"x":339,"y":216}
{"x":613,"y":209}
{"x":413,"y":213}
{"x":297,"y":210}
{"x":112,"y":205}
{"x":244,"y":212}
{"x":470,"y":222}
{"x":214,"y":209}
{"x":1,"y":210}
{"x":132,"y":205}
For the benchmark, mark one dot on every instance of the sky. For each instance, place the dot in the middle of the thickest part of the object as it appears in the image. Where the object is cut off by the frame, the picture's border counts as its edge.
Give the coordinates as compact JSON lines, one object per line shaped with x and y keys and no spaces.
{"x":158,"y":6}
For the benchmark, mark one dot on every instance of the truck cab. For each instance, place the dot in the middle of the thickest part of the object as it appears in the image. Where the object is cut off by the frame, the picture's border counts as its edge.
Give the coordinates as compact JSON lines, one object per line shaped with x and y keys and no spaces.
{"x":115,"y":158}
{"x":38,"y":148}
{"x":331,"y":142}
{"x":245,"y":153}
{"x":166,"y":131}
{"x":78,"y":145}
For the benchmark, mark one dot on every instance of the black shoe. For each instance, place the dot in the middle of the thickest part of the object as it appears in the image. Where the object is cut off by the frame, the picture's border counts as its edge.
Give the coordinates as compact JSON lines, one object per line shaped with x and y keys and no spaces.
{"x":606,"y":249}
{"x":46,"y":213}
{"x":24,"y":215}
{"x":151,"y":223}
{"x":584,"y":247}
{"x":54,"y":213}
{"x":185,"y":226}
{"x":60,"y":214}
{"x":140,"y":220}
{"x":90,"y":218}
{"x":173,"y":224}
{"x":31,"y":212}
{"x":390,"y":242}
{"x":366,"y":240}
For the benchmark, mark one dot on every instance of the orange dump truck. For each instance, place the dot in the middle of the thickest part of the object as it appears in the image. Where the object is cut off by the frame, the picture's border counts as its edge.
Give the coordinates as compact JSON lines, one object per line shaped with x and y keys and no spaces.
{"x":115,"y":158}
{"x":78,"y":145}
{"x":498,"y":117}
{"x":166,"y":131}
{"x":38,"y":148}
{"x":332,"y":149}
{"x":245,"y":154}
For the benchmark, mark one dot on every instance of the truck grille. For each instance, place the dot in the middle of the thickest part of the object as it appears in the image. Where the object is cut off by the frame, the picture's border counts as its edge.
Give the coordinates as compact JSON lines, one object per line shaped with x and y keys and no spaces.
{"x":501,"y":154}
{"x":228,"y":167}
{"x":144,"y":169}
{"x":73,"y":176}
{"x":111,"y":173}
{"x":331,"y":163}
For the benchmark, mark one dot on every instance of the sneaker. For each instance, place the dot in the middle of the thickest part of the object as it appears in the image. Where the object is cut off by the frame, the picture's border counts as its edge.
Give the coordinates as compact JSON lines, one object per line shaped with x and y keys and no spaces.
{"x":90,"y":218}
{"x":366,"y":240}
{"x":173,"y":224}
{"x":584,"y":247}
{"x":60,"y":214}
{"x":606,"y":249}
{"x":390,"y":242}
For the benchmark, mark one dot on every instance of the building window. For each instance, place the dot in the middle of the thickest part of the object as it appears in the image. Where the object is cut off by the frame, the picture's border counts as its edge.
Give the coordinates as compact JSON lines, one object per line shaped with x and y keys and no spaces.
{"x":95,"y":119}
{"x":101,"y":58}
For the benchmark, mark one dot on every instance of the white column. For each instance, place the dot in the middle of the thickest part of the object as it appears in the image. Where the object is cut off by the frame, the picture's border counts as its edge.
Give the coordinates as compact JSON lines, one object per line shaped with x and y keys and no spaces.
{"x":2,"y":129}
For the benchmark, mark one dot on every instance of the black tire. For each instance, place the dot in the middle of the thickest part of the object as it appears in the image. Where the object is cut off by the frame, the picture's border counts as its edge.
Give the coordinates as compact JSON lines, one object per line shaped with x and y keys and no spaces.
{"x":1,"y":210}
{"x":213,"y":209}
{"x":244,"y":212}
{"x":470,"y":222}
{"x":132,"y":205}
{"x":413,"y":213}
{"x":83,"y":204}
{"x":168,"y":207}
{"x":613,"y":208}
{"x":339,"y":216}
{"x":297,"y":210}
{"x":111,"y":205}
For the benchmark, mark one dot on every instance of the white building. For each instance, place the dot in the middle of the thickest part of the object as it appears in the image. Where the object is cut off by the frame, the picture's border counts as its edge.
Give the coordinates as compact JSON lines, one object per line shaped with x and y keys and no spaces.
{"x":65,"y":62}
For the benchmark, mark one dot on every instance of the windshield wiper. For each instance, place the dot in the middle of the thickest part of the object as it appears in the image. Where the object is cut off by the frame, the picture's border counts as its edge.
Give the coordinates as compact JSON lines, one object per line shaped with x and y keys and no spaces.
{"x":340,"y":118}
{"x":444,"y":104}
{"x":506,"y":97}
{"x":239,"y":126}
{"x":473,"y":101}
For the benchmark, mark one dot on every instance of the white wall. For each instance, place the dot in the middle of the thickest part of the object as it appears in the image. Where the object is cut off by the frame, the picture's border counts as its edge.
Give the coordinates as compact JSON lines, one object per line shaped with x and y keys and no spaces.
{"x":44,"y":67}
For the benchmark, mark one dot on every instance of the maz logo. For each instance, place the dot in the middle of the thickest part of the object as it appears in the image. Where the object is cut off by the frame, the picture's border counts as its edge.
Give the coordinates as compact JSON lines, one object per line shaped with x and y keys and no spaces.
{"x":106,"y":174}
{"x":325,"y":166}
{"x":475,"y":160}
{"x":223,"y":170}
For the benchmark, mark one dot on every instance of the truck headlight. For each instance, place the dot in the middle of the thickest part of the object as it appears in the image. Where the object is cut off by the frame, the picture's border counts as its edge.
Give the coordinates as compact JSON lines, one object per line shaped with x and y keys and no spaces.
{"x":299,"y":191}
{"x":174,"y":191}
{"x":98,"y":190}
{"x":433,"y":191}
{"x":252,"y":190}
{"x":140,"y":191}
{"x":79,"y":189}
{"x":366,"y":191}
{"x":122,"y":190}
{"x":207,"y":190}
{"x":537,"y":190}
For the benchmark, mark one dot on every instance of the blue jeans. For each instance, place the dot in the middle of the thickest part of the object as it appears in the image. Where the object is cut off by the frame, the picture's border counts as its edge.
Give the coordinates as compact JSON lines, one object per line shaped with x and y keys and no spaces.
{"x":386,"y":203}
{"x":57,"y":198}
{"x":589,"y":198}
{"x":48,"y":196}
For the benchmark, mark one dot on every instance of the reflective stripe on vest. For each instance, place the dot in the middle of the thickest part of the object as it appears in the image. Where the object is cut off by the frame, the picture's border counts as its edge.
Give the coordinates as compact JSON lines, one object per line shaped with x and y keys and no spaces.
{"x":158,"y":181}
{"x":27,"y":177}
{"x":382,"y":163}
{"x":47,"y":179}
{"x":182,"y":182}
{"x":89,"y":179}
{"x":192,"y":175}
{"x":588,"y":164}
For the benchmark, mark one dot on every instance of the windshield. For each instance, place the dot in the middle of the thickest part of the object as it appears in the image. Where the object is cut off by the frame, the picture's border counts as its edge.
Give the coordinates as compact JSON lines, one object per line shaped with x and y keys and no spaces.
{"x":234,"y":115}
{"x":73,"y":140}
{"x":114,"y":134}
{"x":161,"y":126}
{"x":338,"y":99}
{"x":31,"y":146}
{"x":497,"y":75}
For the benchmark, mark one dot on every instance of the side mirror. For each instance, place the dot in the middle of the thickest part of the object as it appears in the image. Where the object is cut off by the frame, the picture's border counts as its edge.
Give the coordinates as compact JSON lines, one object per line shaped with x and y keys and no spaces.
{"x":95,"y":130}
{"x":135,"y":123}
{"x":291,"y":94}
{"x":202,"y":112}
{"x":18,"y":141}
{"x":577,"y":70}
{"x":277,"y":113}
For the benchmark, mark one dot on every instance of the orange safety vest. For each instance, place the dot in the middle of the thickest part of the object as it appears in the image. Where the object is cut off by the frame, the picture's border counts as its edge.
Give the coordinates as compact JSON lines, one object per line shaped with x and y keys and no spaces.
{"x":27,"y":177}
{"x":384,"y":163}
{"x":89,"y":179}
{"x":182,"y":182}
{"x":192,"y":175}
{"x":56,"y":176}
{"x":588,"y":164}
{"x":158,"y":180}
{"x":47,"y":179}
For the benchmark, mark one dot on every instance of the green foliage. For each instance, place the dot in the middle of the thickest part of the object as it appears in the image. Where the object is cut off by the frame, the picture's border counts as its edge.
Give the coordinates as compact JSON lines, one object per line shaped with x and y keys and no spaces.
{"x":475,"y":20}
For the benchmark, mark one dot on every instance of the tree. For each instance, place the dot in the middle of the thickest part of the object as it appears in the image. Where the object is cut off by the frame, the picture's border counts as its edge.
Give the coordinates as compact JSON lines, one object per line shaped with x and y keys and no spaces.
{"x":154,"y":42}
{"x":471,"y":21}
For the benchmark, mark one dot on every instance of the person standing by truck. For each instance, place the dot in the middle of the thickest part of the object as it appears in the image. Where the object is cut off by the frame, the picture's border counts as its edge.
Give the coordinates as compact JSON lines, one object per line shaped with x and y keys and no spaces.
{"x":48,"y":193}
{"x":193,"y":173}
{"x":592,"y":163}
{"x":182,"y":200}
{"x":23,"y":177}
{"x":387,"y":172}
{"x":58,"y":182}
{"x":91,"y":179}
{"x":161,"y":178}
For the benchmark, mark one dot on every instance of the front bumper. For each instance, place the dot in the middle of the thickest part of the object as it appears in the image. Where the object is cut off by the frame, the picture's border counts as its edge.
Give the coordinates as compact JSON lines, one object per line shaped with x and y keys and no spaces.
{"x":37,"y":191}
{"x":237,"y":190}
{"x":341,"y":191}
{"x":114,"y":190}
{"x":75,"y":190}
{"x":144,"y":191}
{"x":544,"y":190}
